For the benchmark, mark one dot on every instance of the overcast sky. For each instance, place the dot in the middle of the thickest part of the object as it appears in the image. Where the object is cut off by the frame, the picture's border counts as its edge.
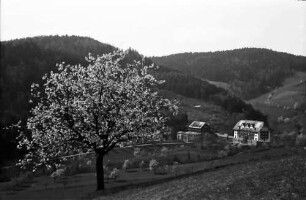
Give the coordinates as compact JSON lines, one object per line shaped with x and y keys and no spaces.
{"x":161,"y":27}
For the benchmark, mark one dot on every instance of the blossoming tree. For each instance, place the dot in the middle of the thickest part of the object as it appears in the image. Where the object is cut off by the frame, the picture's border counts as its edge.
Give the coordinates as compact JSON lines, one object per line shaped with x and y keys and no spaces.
{"x":94,"y":108}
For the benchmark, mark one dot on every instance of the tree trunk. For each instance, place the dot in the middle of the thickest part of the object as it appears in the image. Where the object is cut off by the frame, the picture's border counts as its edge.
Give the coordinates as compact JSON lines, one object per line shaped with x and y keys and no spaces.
{"x":100,"y":172}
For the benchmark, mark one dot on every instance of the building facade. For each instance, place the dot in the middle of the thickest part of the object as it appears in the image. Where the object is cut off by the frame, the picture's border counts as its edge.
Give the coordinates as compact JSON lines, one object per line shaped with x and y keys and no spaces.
{"x":249,"y":132}
{"x":197,"y":131}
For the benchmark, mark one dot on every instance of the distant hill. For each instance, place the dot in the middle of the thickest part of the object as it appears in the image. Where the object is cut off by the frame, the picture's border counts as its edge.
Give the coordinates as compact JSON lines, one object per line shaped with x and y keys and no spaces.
{"x":249,"y":72}
{"x":25,"y":61}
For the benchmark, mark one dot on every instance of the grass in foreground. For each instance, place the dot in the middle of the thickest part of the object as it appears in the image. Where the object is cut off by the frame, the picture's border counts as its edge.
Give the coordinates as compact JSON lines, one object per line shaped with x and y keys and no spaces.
{"x":273,"y":179}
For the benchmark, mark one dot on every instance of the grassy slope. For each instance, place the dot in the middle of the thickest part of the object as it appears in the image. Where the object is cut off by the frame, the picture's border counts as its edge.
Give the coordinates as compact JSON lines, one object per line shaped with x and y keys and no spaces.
{"x":198,"y":110}
{"x":220,"y":84}
{"x":280,"y":102}
{"x":271,"y":179}
{"x":292,"y":91}
{"x":208,"y":177}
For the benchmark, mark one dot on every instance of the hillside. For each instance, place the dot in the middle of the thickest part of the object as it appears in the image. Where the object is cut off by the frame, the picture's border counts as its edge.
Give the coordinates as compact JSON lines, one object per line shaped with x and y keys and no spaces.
{"x":286,"y":105}
{"x":283,"y":178}
{"x":25,"y":61}
{"x":199,"y":110}
{"x":250,"y":72}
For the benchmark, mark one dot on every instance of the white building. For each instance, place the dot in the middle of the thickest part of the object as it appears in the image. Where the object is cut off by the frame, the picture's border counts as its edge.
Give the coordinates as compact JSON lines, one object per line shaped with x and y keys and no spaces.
{"x":250,"y":132}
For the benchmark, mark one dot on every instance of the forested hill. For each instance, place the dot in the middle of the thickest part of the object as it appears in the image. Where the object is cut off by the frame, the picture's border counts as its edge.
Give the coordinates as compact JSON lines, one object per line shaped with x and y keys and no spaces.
{"x":25,"y":61}
{"x":250,"y":72}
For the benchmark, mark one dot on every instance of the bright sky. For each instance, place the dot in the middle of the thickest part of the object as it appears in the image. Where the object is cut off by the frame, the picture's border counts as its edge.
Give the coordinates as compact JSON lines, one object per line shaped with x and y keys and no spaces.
{"x":161,"y":27}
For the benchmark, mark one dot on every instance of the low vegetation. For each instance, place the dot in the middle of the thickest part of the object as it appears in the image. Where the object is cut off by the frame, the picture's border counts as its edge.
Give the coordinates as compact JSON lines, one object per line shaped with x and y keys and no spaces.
{"x":270,"y":179}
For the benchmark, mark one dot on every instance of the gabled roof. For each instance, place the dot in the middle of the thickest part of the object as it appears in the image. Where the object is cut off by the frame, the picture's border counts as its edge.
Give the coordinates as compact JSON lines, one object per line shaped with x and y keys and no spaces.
{"x":197,"y":125}
{"x":249,"y":125}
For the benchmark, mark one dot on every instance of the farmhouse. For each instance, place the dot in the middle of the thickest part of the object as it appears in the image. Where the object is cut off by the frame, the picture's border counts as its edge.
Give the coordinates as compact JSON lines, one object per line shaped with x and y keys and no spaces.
{"x":250,"y":132}
{"x":197,"y":131}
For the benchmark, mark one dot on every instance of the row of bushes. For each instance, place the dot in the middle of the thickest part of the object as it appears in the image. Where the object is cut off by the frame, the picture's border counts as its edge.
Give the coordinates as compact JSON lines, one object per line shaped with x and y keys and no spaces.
{"x":142,"y":159}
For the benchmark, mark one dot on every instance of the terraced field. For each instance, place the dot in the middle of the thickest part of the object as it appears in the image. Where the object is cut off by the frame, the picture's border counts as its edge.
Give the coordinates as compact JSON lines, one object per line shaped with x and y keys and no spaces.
{"x":272,"y":179}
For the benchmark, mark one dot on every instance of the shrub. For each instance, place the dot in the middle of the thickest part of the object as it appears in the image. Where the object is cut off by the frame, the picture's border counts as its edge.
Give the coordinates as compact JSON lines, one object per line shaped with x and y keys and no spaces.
{"x":175,"y":167}
{"x":142,"y":165}
{"x":227,"y":148}
{"x":47,"y":169}
{"x":287,"y":120}
{"x":137,"y":152}
{"x":164,"y":151}
{"x":161,"y":169}
{"x":106,"y":169}
{"x":72,"y":169}
{"x":280,"y":119}
{"x":240,"y":146}
{"x":89,"y":163}
{"x":153,"y":165}
{"x":166,"y":167}
{"x":300,"y":140}
{"x":114,"y":174}
{"x":126,"y":165}
{"x":222,"y":154}
{"x":80,"y":166}
{"x":288,"y":138}
{"x":58,"y":173}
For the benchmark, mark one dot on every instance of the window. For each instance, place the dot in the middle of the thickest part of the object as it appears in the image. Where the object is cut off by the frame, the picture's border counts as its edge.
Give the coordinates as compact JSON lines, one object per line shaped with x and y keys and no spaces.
{"x":264,"y":135}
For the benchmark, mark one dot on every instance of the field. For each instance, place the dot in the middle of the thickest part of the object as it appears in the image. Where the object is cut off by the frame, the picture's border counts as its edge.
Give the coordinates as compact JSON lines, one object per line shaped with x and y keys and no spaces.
{"x":82,"y":186}
{"x":220,"y":84}
{"x":281,"y":178}
{"x":292,"y":91}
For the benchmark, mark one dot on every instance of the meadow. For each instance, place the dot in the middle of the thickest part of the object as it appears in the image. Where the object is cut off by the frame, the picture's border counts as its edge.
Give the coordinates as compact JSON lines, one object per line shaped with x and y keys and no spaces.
{"x":274,"y":178}
{"x":82,"y":185}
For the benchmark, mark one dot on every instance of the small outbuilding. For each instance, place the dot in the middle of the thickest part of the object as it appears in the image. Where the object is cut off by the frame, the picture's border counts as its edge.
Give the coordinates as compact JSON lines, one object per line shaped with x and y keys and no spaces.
{"x":197,"y":131}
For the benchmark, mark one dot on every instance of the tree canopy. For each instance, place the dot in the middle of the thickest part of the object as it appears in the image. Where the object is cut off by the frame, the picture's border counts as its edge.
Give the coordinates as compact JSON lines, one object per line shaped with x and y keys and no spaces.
{"x":94,"y":108}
